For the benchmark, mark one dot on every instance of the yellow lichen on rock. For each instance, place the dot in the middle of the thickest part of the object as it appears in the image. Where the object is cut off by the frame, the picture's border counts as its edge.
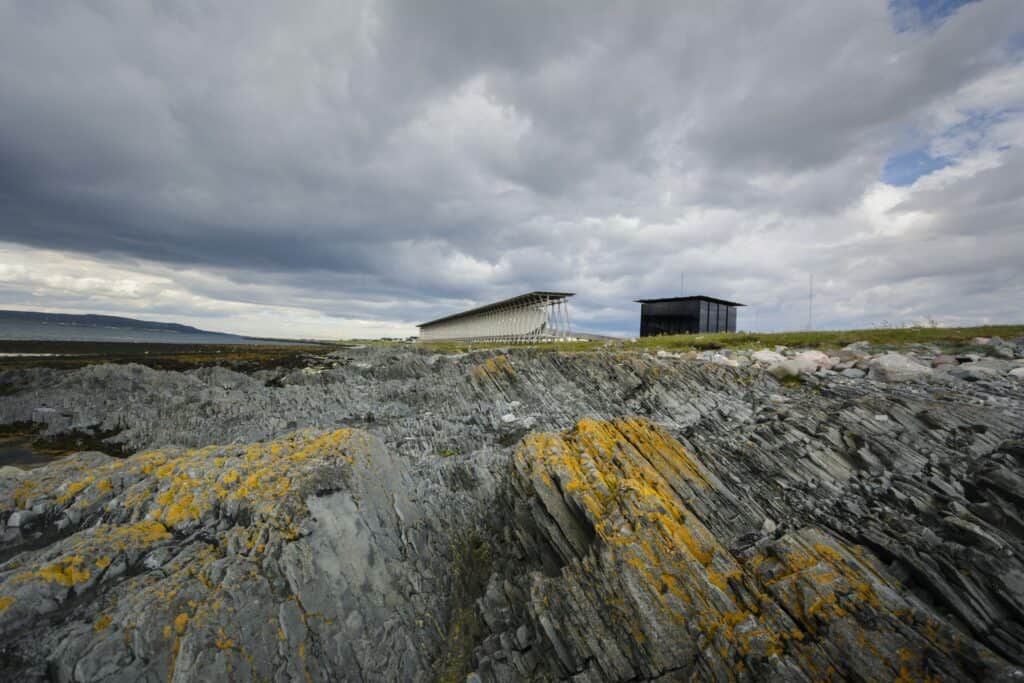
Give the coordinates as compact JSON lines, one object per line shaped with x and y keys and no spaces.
{"x":222,"y":641}
{"x":632,"y":484}
{"x":74,"y":489}
{"x":68,"y":571}
{"x":178,"y":487}
{"x":494,"y":368}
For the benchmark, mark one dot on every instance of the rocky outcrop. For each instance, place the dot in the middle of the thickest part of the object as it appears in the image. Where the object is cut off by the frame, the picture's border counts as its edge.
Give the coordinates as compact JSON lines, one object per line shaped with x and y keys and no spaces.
{"x":319,"y":557}
{"x":518,"y":516}
{"x":654,"y":585}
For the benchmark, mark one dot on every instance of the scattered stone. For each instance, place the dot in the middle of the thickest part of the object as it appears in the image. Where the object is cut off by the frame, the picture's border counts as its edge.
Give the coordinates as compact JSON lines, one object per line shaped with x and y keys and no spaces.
{"x":1002,"y":351}
{"x":895,"y":367}
{"x":21,"y":518}
{"x":814,"y":359}
{"x":767,"y":357}
{"x":976,"y":371}
{"x":788,"y":368}
{"x":721,"y":359}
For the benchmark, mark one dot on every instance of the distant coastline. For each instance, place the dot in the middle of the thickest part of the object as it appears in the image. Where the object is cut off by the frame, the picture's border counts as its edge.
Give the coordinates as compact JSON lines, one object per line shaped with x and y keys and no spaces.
{"x":38,"y":326}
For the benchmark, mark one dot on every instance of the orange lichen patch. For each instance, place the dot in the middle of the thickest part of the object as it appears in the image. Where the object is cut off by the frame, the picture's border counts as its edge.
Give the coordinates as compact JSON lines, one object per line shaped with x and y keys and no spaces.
{"x":180,"y":623}
{"x":67,"y":571}
{"x":103,"y":562}
{"x":5,"y":602}
{"x":74,"y":489}
{"x":607,"y":468}
{"x":144,"y":532}
{"x":619,"y":493}
{"x":494,"y":368}
{"x":223,"y":642}
{"x":102,"y":623}
{"x":22,"y":493}
{"x":721,"y":580}
{"x":615,"y":473}
{"x":186,"y":484}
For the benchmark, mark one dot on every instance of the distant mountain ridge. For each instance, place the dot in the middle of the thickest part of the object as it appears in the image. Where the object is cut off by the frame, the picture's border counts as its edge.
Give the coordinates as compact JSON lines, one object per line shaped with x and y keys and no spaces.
{"x":38,"y":326}
{"x":96,"y":320}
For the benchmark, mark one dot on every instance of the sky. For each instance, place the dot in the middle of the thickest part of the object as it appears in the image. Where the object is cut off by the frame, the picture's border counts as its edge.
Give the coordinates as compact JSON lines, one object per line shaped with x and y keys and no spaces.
{"x":334,"y":170}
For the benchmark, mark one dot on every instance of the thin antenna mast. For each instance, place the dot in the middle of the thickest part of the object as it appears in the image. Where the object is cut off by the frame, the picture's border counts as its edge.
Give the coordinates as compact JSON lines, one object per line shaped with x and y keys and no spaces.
{"x":682,"y":283}
{"x":810,"y":303}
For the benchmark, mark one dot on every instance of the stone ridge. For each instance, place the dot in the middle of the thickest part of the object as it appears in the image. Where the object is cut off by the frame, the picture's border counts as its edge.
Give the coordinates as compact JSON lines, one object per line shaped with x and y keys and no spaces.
{"x":651,"y":591}
{"x":401,"y":515}
{"x":295,"y":558}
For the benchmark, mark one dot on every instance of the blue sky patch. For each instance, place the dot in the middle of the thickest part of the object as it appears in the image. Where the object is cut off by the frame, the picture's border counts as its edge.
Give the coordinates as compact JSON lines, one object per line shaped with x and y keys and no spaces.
{"x":903,"y":169}
{"x":911,"y":15}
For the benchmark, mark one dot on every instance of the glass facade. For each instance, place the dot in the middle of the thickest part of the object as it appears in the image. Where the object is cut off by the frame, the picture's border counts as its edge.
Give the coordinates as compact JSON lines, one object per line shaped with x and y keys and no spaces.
{"x":686,"y":315}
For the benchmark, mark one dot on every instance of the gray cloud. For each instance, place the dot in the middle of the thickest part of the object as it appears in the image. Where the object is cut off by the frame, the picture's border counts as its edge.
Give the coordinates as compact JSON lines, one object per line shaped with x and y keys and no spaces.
{"x":386,"y":161}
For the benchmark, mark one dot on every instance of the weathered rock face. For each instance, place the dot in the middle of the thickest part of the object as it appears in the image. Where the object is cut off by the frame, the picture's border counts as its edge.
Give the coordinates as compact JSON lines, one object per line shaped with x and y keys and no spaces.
{"x":653,"y":584}
{"x":520,"y":516}
{"x":315,"y":555}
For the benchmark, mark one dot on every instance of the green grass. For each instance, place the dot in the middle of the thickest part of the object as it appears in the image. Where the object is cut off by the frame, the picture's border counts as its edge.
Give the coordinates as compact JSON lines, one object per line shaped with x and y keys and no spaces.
{"x":944,"y":337}
{"x":941,"y":336}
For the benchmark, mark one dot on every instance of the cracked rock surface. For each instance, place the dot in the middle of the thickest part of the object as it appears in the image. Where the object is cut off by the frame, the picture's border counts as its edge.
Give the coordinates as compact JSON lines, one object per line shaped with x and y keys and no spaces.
{"x":391,"y":514}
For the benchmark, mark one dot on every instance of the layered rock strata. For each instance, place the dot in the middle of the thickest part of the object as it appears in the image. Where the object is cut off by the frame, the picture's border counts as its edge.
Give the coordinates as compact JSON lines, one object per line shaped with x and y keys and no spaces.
{"x":518,"y":516}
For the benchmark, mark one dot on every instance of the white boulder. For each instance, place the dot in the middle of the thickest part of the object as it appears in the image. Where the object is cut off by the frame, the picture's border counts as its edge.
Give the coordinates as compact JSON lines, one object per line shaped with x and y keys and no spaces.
{"x":722,"y":359}
{"x":767,"y":357}
{"x":817,"y":359}
{"x":895,"y":367}
{"x":788,"y":368}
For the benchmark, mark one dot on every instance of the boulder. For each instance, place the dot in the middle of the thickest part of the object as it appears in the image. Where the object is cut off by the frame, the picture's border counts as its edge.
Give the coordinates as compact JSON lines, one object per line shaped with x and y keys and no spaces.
{"x":943,"y":359}
{"x":20,"y":518}
{"x":895,"y":367}
{"x":853,"y":373}
{"x":789,"y":368}
{"x":767,"y":357}
{"x":988,"y":368}
{"x":854,"y":351}
{"x":1002,"y":351}
{"x":1018,"y":373}
{"x":817,"y":359}
{"x":722,"y":359}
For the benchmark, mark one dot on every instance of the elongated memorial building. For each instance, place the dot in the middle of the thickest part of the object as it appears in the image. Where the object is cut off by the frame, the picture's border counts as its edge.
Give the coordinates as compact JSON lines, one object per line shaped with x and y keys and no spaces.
{"x":531,"y":317}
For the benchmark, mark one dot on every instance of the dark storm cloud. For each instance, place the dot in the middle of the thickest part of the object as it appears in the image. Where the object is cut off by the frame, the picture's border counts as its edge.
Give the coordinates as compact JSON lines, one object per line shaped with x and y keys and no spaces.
{"x":390,"y":160}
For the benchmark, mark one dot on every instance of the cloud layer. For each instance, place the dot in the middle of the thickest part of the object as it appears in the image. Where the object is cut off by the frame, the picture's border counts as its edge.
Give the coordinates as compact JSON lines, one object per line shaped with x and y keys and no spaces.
{"x":348,"y":169}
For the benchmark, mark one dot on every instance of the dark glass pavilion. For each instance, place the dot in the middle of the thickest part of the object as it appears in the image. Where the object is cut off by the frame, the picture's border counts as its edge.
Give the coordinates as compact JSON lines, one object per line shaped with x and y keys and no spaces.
{"x":686,"y":314}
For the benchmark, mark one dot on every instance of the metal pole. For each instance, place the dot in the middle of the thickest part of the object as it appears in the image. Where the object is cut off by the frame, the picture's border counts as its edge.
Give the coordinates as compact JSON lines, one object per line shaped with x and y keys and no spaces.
{"x":810,"y":303}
